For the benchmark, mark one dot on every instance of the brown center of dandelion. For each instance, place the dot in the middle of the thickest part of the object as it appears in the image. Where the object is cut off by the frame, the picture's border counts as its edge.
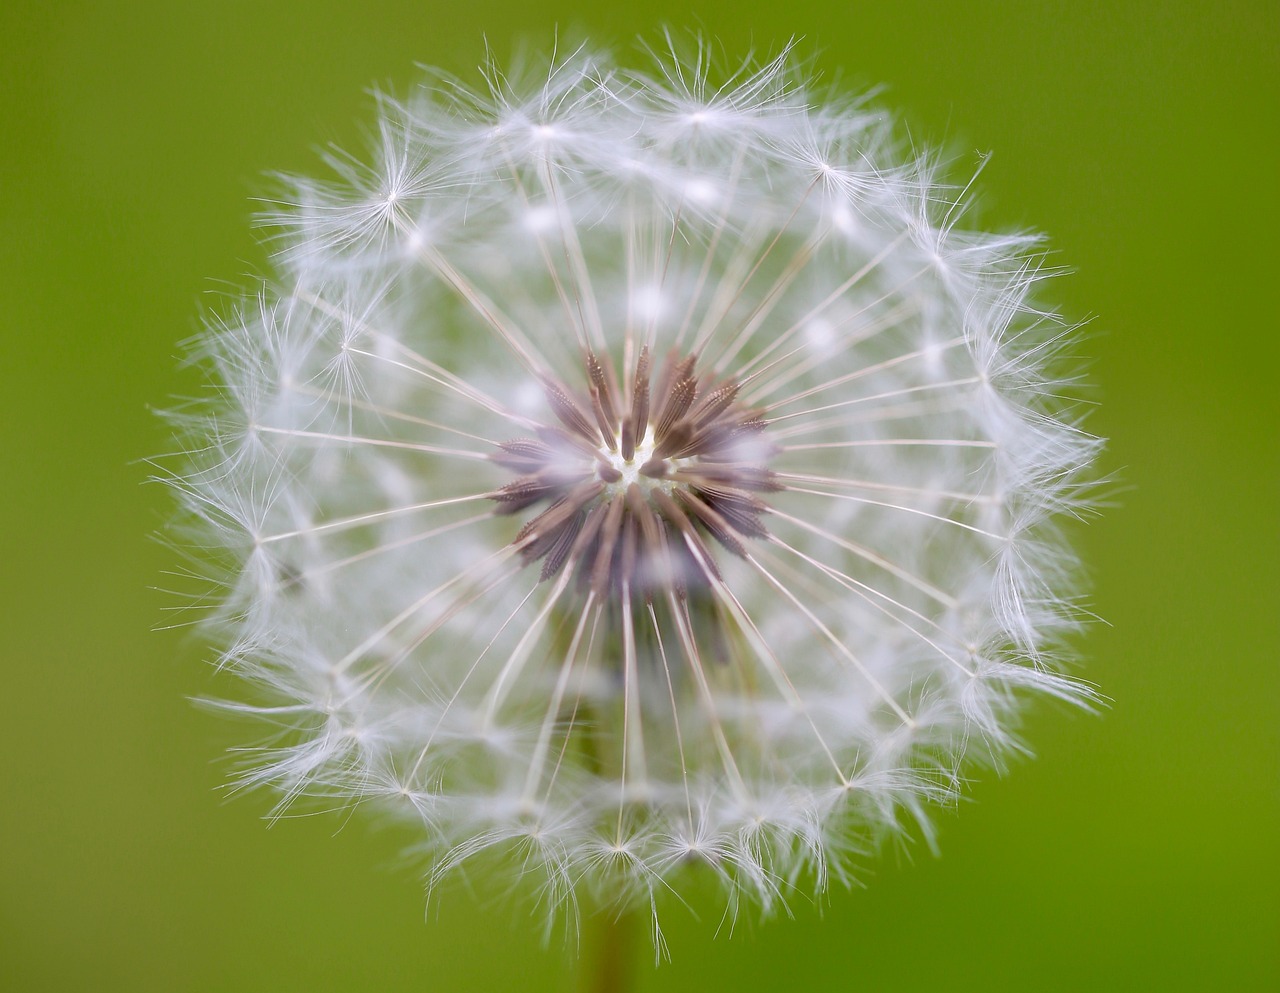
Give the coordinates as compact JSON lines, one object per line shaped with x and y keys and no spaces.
{"x":636,"y":476}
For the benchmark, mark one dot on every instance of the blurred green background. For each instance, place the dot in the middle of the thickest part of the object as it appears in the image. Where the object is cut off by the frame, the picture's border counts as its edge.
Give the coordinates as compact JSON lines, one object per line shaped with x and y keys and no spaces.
{"x":1139,"y":851}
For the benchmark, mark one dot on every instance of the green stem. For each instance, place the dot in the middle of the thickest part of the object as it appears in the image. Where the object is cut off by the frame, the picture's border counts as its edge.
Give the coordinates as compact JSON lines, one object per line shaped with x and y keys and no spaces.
{"x":609,"y":968}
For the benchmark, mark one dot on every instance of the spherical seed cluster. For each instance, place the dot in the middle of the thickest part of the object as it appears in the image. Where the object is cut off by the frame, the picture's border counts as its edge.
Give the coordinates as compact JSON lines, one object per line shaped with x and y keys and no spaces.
{"x":630,"y":474}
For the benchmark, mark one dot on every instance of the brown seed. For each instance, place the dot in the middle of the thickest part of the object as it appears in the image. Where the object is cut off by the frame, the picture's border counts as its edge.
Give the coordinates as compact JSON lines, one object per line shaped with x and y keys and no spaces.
{"x":691,"y":482}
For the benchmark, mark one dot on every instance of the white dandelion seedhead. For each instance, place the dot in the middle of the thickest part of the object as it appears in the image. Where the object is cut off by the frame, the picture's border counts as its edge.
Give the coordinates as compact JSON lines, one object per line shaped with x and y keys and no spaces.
{"x":633,"y":474}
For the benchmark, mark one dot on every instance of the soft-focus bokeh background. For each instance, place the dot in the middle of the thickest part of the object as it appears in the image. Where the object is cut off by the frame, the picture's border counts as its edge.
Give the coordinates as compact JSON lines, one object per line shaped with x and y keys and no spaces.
{"x":1138,"y":852}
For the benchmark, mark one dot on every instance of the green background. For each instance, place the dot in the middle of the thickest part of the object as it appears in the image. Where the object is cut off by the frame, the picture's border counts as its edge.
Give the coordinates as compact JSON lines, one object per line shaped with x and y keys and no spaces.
{"x":1138,"y":851}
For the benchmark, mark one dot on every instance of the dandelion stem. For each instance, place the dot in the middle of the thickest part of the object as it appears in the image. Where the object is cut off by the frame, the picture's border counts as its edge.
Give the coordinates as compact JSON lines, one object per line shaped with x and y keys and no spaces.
{"x":608,"y":965}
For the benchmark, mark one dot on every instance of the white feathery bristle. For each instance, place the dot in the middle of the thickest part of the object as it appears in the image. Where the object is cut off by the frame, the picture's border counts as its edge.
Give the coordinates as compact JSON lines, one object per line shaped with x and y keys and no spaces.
{"x":631,"y":474}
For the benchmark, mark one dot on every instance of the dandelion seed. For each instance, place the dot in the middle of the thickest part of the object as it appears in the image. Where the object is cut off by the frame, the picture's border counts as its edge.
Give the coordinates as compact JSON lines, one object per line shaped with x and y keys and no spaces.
{"x":635,"y":474}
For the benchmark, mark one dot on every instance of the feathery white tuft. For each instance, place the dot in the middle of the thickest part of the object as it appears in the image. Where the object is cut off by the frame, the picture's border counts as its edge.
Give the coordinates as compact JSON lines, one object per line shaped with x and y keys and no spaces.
{"x":753,"y":639}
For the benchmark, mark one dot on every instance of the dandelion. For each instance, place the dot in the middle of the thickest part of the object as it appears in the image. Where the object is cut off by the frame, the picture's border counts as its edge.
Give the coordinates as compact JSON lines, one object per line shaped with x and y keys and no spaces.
{"x":631,"y":475}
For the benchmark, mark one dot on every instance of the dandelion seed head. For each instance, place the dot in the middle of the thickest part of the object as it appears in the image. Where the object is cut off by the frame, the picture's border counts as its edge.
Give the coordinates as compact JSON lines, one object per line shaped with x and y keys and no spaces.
{"x":630,"y":474}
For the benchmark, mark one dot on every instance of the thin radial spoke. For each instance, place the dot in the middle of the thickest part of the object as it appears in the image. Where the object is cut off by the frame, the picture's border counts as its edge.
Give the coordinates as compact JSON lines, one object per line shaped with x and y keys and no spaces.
{"x":459,"y":604}
{"x":576,"y":321}
{"x":950,"y":384}
{"x":577,"y":262}
{"x":864,"y":371}
{"x":911,"y":410}
{"x":877,"y":442}
{"x":840,"y":647}
{"x":377,"y":515}
{"x":398,"y":415}
{"x":443,"y":377}
{"x":874,"y":558}
{"x":515,"y":663}
{"x":863,"y":484}
{"x":712,"y":244}
{"x":831,"y":298}
{"x":429,"y":370}
{"x":884,"y":321}
{"x":892,"y":506}
{"x":651,"y":338}
{"x":868,"y":592}
{"x":489,"y":311}
{"x":392,"y":546}
{"x":675,"y":712}
{"x":378,"y":634}
{"x":764,"y":307}
{"x":685,"y":631}
{"x":466,"y":676}
{"x":473,"y":395}
{"x":348,"y":439}
{"x":742,"y":286}
{"x":540,"y":749}
{"x":777,"y":672}
{"x":729,"y":285}
{"x":633,"y":759}
{"x":577,"y":704}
